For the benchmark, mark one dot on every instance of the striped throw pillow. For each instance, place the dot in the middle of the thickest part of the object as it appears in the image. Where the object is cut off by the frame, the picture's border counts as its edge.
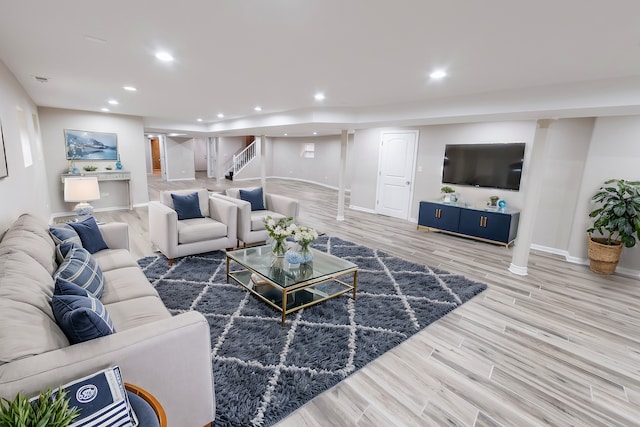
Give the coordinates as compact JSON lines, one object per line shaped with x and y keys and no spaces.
{"x":81,"y":268}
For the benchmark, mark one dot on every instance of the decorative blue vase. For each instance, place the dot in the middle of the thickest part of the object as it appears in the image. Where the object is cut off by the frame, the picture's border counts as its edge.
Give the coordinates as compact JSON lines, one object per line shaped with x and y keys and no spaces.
{"x":118,"y":164}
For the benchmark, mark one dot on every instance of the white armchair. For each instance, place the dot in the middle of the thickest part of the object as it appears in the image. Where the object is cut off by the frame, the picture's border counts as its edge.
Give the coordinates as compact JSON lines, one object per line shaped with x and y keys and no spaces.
{"x":250,"y":222}
{"x":181,"y":237}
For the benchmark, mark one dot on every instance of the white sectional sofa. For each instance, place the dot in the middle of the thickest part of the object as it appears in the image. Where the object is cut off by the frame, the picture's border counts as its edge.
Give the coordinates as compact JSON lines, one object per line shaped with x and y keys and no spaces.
{"x":167,"y":355}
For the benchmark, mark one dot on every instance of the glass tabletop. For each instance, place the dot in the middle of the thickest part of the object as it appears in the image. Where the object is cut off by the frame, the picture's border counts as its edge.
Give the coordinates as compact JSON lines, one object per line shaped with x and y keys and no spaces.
{"x":278,"y":270}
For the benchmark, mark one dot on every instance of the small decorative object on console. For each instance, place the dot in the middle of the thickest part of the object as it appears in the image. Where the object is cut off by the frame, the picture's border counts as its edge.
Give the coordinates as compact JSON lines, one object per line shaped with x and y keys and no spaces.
{"x":448,"y":194}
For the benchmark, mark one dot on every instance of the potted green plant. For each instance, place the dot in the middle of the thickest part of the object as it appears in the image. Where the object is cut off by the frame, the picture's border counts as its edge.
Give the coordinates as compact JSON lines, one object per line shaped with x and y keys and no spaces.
{"x":44,"y":411}
{"x":447,"y":192}
{"x":617,"y":221}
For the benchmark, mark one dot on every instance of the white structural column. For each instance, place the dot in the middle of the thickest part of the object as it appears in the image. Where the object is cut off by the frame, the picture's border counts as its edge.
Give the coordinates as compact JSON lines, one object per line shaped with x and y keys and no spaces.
{"x":263,"y":162}
{"x":520,"y":258}
{"x":342,"y":173}
{"x":219,"y":166}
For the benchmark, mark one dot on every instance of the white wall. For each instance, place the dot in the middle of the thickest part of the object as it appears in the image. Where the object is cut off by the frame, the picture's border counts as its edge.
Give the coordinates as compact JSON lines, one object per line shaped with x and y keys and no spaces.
{"x":614,"y":152}
{"x":179,"y":161}
{"x":25,"y":189}
{"x":131,"y":147}
{"x":431,"y":145}
{"x":286,"y":160}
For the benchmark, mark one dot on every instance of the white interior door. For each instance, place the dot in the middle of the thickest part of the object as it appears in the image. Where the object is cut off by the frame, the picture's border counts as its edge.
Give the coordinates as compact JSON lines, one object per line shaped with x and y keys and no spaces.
{"x":396,"y":172}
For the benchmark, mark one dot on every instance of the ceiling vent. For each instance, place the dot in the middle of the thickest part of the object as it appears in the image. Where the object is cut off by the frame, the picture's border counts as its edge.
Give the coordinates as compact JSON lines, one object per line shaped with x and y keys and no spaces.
{"x":41,"y":79}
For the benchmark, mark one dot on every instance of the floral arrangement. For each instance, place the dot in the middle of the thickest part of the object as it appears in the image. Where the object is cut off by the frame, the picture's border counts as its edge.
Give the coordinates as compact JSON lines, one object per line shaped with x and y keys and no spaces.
{"x":304,"y":236}
{"x":278,"y":231}
{"x":284,"y":227}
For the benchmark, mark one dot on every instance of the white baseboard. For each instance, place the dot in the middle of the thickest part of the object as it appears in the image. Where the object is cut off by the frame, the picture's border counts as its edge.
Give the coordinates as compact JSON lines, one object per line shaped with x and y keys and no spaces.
{"x":549,"y":250}
{"x":358,"y":208}
{"x":294,"y":179}
{"x":622,"y":271}
{"x":182,"y":179}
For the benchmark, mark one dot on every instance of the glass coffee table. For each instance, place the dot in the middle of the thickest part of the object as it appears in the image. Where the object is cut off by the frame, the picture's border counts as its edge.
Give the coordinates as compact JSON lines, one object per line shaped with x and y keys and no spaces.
{"x":290,"y":287}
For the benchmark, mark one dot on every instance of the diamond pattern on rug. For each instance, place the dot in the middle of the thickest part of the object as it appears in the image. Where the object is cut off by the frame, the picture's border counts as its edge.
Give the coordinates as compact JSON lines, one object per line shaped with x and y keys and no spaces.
{"x":263,"y":371}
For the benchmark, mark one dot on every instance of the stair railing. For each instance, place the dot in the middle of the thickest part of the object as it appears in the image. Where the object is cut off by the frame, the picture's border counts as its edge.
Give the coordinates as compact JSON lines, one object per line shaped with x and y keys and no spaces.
{"x":243,"y":158}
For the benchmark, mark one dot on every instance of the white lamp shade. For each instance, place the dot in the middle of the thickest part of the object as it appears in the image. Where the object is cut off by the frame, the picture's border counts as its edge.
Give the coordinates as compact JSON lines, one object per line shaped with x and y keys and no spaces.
{"x":83,"y":189}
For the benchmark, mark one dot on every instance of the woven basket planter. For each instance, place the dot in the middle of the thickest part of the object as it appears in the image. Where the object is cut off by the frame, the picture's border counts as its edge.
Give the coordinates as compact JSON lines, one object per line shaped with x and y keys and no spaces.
{"x":603,"y":258}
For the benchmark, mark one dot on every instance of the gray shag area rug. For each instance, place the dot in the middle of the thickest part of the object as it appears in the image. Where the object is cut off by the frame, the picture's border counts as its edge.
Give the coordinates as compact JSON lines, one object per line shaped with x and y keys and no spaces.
{"x":263,"y":371}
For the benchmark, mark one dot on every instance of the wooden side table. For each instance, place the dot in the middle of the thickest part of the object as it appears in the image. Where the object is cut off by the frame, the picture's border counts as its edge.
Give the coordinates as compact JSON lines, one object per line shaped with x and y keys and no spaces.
{"x":151,"y":400}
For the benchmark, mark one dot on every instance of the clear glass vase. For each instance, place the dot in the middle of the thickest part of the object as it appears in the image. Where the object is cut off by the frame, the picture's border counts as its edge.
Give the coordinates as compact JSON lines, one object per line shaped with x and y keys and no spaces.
{"x":305,"y":252}
{"x":278,"y":247}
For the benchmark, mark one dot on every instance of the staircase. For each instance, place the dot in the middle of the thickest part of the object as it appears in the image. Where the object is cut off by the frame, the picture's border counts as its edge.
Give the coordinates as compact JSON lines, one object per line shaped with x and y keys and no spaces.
{"x":240,"y":160}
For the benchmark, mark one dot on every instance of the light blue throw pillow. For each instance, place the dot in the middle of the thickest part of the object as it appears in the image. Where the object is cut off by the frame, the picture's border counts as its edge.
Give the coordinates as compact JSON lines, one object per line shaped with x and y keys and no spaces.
{"x":90,"y":235}
{"x":255,"y":197}
{"x":80,"y":268}
{"x":81,"y":318}
{"x":187,"y":207}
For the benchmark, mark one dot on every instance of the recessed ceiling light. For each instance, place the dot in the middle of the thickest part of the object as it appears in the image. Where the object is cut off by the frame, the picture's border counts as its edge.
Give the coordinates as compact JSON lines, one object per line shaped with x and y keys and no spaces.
{"x":438,"y":74}
{"x":113,"y":102}
{"x":106,"y":110}
{"x":257,"y":108}
{"x":129,"y":88}
{"x":315,"y":133}
{"x":177,"y":134}
{"x":319,"y":96}
{"x":199,"y":119}
{"x":164,"y":56}
{"x":286,"y":134}
{"x":220,"y":115}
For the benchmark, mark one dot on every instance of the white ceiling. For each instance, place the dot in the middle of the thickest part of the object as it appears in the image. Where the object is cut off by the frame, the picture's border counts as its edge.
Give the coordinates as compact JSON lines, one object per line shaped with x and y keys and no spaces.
{"x":506,"y":59}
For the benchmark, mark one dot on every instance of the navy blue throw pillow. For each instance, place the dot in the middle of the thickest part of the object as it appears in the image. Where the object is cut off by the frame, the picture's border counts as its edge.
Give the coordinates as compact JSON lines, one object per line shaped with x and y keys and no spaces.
{"x":90,"y":235}
{"x":188,"y":206}
{"x":254,"y":197}
{"x":81,"y":318}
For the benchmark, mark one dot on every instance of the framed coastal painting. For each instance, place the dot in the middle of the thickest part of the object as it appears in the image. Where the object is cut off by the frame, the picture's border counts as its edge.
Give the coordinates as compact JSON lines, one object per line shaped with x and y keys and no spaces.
{"x":3,"y":156}
{"x":88,"y":145}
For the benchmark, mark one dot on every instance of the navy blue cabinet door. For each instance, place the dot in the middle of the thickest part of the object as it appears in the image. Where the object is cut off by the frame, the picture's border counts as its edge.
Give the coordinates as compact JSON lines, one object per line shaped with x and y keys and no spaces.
{"x":437,"y":215}
{"x":486,"y":225}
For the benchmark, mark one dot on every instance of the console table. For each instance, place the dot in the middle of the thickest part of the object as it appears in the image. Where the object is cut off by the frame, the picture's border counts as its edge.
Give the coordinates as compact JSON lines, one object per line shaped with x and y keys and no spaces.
{"x":116,"y":175}
{"x":489,"y":225}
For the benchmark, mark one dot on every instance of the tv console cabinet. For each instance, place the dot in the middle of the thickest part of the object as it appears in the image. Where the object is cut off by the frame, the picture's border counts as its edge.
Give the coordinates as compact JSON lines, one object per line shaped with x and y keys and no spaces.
{"x":498,"y":226}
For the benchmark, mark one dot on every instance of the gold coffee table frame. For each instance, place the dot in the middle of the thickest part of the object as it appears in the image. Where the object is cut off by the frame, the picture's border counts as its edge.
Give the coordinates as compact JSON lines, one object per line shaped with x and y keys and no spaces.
{"x":313,"y":282}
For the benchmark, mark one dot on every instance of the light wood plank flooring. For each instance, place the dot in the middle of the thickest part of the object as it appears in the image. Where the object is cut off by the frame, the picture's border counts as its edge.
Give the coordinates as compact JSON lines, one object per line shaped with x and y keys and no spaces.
{"x":560,"y":346}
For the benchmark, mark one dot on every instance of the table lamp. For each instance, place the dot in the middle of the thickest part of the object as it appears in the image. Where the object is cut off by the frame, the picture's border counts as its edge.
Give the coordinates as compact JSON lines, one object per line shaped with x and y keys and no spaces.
{"x":82,"y":190}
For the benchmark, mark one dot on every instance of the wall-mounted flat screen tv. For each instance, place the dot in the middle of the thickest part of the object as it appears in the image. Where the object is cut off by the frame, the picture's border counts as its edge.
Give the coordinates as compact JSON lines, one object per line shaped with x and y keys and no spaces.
{"x":496,"y":165}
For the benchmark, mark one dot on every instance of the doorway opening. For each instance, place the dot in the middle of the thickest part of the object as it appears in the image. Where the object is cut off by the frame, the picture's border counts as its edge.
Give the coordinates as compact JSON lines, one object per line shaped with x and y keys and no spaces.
{"x":156,"y":165}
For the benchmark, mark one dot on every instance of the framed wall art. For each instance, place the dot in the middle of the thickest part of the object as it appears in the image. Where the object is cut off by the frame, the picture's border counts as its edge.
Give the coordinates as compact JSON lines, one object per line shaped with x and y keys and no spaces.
{"x":87,"y":145}
{"x":3,"y":156}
